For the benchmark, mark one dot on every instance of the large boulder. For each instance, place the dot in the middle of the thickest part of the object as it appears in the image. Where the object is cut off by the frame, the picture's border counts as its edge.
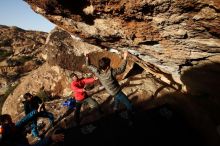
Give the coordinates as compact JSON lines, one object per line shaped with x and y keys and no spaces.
{"x":166,"y":34}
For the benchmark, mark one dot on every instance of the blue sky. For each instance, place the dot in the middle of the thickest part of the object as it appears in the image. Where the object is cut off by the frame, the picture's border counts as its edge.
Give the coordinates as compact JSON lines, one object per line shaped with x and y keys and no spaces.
{"x":18,"y":13}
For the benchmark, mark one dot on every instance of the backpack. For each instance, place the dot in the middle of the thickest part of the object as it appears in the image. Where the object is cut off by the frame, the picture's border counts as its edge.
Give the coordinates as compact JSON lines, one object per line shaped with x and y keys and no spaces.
{"x":70,"y":103}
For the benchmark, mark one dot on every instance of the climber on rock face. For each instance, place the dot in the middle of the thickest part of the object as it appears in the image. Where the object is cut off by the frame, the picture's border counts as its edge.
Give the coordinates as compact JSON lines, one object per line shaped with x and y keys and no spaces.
{"x":81,"y":96}
{"x":13,"y":134}
{"x":107,"y":77}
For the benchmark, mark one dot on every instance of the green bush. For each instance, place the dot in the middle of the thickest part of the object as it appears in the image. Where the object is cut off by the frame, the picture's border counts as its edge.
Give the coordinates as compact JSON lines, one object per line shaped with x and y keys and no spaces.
{"x":18,"y":61}
{"x":10,"y":89}
{"x":4,"y":54}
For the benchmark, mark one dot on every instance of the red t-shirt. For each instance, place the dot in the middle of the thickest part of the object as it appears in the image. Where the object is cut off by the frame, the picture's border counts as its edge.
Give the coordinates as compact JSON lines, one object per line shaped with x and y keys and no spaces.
{"x":78,"y":87}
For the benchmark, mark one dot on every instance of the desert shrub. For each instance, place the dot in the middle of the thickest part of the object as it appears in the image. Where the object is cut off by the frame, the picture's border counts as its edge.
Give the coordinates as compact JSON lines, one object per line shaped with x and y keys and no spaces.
{"x":4,"y":54}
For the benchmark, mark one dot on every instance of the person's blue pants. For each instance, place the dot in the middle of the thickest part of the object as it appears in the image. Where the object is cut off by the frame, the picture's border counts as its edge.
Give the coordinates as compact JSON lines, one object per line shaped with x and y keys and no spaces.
{"x":44,"y":114}
{"x":24,"y":121}
{"x":48,"y":115}
{"x":121,"y":97}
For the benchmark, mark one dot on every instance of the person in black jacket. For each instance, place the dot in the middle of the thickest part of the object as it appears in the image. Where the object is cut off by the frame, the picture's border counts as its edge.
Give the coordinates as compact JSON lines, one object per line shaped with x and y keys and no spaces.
{"x":32,"y":103}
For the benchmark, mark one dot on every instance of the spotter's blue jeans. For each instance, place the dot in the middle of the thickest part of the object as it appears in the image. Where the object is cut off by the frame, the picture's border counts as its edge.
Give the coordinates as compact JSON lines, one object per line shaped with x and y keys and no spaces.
{"x":44,"y":114}
{"x":20,"y":125}
{"x":121,"y":97}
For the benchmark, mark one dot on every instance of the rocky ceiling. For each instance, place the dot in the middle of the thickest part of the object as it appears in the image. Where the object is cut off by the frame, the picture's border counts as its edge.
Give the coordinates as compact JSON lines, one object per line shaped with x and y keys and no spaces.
{"x":166,"y":37}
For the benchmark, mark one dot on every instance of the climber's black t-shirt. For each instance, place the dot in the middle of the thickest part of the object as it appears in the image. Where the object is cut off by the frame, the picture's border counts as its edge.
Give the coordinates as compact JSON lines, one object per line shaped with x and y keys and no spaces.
{"x":32,"y":105}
